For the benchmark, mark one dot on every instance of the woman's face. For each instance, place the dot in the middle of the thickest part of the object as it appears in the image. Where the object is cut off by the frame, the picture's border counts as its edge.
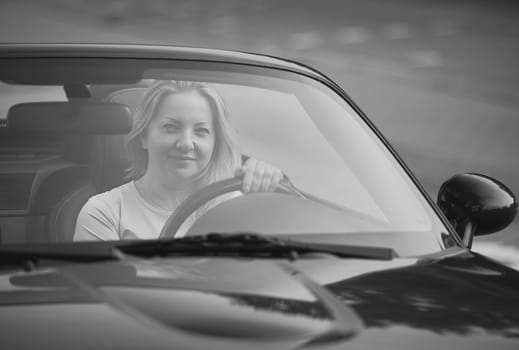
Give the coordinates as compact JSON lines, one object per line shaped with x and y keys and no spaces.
{"x":181,"y":137}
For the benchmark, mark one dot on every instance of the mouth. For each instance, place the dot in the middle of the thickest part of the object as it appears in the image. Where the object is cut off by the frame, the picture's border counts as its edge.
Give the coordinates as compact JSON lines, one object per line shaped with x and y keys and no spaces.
{"x":181,"y":157}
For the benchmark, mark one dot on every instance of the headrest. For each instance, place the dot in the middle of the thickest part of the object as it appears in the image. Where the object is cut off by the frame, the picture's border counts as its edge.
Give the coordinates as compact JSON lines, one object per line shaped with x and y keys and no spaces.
{"x":130,"y":97}
{"x":82,"y":117}
{"x":111,"y":168}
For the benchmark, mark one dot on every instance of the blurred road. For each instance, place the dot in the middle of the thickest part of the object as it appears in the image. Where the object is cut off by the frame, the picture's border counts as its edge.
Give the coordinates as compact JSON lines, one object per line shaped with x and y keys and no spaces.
{"x":439,"y":78}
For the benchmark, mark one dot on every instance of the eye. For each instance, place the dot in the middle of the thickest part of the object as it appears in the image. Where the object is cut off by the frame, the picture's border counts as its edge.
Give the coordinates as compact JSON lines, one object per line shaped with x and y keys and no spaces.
{"x":169,"y":127}
{"x":202,"y":131}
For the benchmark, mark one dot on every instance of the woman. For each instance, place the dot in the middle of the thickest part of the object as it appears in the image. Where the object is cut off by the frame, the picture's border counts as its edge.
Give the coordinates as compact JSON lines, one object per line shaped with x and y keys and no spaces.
{"x":181,"y":141}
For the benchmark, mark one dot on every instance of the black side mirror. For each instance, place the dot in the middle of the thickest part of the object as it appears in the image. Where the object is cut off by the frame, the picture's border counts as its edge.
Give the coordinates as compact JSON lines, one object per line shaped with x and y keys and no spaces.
{"x":476,"y":204}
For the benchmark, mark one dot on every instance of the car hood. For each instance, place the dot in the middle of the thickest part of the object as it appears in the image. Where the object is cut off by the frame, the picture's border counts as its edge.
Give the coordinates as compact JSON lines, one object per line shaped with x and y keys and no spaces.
{"x":458,"y":301}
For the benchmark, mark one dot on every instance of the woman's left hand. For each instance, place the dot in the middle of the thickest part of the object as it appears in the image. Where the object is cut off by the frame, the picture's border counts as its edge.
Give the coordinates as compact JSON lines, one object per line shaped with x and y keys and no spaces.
{"x":259,"y":176}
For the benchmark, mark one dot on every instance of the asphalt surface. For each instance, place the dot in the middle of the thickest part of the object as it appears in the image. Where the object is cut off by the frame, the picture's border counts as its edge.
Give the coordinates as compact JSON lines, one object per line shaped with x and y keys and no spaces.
{"x":439,"y":78}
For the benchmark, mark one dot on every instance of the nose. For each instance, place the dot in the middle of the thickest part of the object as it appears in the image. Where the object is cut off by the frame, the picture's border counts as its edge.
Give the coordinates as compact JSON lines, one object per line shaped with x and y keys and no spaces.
{"x":185,"y":142}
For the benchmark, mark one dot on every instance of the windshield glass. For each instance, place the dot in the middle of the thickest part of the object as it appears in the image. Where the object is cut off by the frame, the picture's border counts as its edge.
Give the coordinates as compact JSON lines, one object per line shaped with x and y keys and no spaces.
{"x":95,"y":149}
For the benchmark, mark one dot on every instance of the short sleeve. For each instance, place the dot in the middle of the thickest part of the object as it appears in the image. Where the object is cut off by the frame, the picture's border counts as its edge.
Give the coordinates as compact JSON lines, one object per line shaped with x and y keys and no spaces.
{"x":98,"y":220}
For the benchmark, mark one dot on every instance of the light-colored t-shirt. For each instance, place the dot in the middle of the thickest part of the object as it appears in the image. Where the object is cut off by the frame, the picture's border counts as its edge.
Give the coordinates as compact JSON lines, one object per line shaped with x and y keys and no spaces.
{"x":122,"y":213}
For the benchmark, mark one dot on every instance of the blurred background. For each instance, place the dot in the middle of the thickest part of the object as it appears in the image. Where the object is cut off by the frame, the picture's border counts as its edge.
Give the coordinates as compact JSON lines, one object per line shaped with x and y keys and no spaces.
{"x":438,"y":77}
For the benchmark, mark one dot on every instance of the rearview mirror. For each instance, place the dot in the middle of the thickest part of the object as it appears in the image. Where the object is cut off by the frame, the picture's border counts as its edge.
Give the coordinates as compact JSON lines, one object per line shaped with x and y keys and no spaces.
{"x":476,"y":204}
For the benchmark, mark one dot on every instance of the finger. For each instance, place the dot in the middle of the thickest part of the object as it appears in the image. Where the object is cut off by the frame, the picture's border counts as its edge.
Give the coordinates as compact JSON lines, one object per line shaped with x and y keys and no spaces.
{"x":266,"y":179}
{"x":276,"y":179}
{"x":250,"y":163}
{"x":257,"y":177}
{"x":248,"y":169}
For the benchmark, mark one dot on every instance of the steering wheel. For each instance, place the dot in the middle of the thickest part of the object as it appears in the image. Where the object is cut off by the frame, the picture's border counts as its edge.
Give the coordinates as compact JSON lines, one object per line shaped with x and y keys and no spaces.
{"x":204,"y":195}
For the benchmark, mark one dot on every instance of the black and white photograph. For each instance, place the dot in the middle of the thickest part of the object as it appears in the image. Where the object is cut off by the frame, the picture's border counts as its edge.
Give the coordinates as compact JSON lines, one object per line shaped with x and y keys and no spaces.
{"x":259,"y":174}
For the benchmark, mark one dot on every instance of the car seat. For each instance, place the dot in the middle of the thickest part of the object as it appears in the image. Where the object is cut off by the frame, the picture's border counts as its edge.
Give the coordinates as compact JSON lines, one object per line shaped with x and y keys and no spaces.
{"x":36,"y":170}
{"x":108,"y":164}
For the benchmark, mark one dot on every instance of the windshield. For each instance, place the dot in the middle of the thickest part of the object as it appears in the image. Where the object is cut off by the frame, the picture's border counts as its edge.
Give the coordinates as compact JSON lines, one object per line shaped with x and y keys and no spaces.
{"x":105,"y":149}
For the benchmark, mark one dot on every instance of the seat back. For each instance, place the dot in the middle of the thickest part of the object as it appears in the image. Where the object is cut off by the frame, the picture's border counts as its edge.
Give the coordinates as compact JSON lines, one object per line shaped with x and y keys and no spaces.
{"x":108,"y":165}
{"x":36,"y":170}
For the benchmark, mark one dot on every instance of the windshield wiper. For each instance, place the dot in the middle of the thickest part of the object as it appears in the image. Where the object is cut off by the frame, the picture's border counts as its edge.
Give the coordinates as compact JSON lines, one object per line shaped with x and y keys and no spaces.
{"x":250,"y":244}
{"x":71,"y":251}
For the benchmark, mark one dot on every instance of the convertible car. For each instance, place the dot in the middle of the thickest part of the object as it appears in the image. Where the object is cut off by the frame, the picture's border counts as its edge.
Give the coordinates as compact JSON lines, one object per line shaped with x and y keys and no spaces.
{"x":349,"y":252}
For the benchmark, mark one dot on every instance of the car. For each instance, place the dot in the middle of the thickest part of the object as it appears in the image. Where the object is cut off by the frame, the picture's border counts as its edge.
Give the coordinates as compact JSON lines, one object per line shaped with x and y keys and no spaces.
{"x":349,"y":251}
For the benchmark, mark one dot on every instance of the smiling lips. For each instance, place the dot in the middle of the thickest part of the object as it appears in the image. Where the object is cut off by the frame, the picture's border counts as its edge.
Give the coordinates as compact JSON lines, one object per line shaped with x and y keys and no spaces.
{"x":182,"y":157}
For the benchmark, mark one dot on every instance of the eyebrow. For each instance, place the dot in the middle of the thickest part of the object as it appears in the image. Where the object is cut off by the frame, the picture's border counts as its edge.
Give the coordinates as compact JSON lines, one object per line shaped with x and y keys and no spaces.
{"x":174,"y":120}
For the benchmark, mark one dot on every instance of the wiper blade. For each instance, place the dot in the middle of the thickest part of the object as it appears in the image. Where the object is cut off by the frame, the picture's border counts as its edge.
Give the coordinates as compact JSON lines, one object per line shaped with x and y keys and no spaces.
{"x":74,"y":251}
{"x":247,"y":244}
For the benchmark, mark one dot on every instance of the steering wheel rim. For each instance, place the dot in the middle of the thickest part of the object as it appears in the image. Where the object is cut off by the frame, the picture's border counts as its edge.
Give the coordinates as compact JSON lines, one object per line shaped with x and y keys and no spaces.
{"x":209,"y":192}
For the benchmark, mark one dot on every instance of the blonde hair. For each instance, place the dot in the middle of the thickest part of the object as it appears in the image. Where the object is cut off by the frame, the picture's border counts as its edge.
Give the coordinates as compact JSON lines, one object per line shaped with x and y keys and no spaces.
{"x":225,"y":157}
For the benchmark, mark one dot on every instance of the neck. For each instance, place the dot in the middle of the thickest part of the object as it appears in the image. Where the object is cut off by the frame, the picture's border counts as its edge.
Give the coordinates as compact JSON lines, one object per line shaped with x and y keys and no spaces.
{"x":166,"y":195}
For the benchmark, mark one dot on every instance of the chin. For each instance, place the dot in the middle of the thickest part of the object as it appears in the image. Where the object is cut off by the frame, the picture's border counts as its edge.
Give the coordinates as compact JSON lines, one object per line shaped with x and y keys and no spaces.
{"x":186,"y":174}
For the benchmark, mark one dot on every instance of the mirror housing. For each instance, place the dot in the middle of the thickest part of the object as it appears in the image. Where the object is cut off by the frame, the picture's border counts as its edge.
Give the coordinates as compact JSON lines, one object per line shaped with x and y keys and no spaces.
{"x":476,"y":204}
